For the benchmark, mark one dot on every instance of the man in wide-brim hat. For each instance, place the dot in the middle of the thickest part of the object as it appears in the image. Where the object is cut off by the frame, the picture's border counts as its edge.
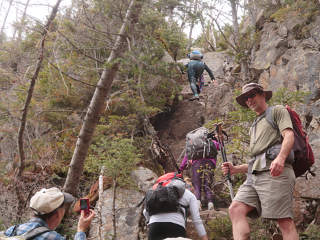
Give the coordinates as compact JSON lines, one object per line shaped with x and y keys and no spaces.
{"x":268,"y":190}
{"x":250,"y":90}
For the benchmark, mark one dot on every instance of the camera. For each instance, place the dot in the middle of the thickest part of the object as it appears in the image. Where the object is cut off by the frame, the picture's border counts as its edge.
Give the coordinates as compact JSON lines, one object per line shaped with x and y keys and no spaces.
{"x":85,"y":205}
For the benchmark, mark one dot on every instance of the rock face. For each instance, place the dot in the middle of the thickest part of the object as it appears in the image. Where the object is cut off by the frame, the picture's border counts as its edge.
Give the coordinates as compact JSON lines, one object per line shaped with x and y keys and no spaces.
{"x":128,"y":214}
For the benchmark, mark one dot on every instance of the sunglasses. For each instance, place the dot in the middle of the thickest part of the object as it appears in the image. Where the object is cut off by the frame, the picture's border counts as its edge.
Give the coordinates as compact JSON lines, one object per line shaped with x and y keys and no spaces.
{"x":250,"y":95}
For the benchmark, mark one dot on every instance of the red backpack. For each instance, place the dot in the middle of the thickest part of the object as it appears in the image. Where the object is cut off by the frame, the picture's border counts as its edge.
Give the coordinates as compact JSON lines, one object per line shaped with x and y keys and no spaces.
{"x":303,"y":155}
{"x":165,"y":194}
{"x":166,"y":179}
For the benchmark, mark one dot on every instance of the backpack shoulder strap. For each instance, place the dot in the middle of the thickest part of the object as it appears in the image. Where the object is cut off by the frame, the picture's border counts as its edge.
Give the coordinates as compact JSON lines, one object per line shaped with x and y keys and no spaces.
{"x":36,"y":232}
{"x":269,"y":118}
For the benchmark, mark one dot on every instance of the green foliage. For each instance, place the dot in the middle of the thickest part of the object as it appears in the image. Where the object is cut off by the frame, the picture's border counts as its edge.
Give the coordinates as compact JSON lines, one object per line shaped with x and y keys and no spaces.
{"x":165,"y":95}
{"x":262,"y":229}
{"x":305,"y":9}
{"x":221,"y":43}
{"x":118,"y":155}
{"x":173,"y":40}
{"x":311,"y":233}
{"x":281,"y":14}
{"x":285,"y":97}
{"x":220,"y":228}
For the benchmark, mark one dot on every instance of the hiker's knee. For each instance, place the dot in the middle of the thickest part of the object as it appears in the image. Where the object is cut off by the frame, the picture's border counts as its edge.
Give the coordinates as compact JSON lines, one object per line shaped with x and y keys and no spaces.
{"x":238,"y":209}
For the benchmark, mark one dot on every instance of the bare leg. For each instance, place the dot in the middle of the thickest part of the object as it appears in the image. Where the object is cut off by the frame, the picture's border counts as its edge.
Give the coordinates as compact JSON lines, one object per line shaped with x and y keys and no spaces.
{"x":288,"y":229}
{"x":238,"y":214}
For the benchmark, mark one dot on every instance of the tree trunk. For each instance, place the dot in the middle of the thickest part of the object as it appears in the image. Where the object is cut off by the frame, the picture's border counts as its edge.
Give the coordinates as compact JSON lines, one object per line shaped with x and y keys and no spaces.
{"x":5,"y":21}
{"x":195,"y":9}
{"x":31,"y":88}
{"x":100,"y":235}
{"x":114,"y":220}
{"x":235,"y":19}
{"x":98,"y":100}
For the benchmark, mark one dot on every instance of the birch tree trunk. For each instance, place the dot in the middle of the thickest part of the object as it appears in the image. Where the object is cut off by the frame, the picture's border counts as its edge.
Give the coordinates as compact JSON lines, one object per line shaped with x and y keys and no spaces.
{"x":100,"y":235}
{"x":98,"y":100}
{"x":31,"y":88}
{"x":195,"y":9}
{"x":235,"y":19}
{"x":5,"y":21}
{"x":114,"y":220}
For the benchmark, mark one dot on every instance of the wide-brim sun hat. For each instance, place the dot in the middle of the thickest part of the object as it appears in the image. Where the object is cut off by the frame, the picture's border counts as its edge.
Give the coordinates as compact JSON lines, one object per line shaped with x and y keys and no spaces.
{"x":247,"y":89}
{"x":47,"y":200}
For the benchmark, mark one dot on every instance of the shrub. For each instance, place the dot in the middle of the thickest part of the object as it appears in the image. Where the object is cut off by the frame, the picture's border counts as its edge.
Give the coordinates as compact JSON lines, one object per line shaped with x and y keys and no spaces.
{"x":220,"y":228}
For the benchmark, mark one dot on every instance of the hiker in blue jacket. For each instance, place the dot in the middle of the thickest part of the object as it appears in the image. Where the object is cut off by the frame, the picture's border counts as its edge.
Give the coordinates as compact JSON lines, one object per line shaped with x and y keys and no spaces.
{"x":49,"y":206}
{"x":195,"y":70}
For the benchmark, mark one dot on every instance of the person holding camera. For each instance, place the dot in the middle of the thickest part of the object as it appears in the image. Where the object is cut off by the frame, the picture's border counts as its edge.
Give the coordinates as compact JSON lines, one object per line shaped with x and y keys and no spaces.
{"x":50,"y":206}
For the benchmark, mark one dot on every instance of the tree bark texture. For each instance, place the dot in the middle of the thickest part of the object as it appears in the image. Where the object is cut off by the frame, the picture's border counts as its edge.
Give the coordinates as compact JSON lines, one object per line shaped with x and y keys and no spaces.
{"x":31,"y":88}
{"x":98,"y":100}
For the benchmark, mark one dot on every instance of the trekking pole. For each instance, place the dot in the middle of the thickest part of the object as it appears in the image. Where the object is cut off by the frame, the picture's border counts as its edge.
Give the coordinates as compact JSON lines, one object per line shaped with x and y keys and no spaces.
{"x":224,"y":157}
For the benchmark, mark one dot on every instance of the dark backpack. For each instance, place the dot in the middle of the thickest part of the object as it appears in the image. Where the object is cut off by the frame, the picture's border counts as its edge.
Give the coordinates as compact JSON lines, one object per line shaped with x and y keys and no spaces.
{"x":199,"y":145}
{"x":165,"y":194}
{"x":303,"y":155}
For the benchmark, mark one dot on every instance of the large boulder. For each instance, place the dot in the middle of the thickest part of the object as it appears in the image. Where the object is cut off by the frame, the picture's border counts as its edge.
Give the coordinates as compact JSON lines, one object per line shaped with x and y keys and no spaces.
{"x":144,"y":178}
{"x":128,"y":208}
{"x":127,"y":215}
{"x":272,"y":46}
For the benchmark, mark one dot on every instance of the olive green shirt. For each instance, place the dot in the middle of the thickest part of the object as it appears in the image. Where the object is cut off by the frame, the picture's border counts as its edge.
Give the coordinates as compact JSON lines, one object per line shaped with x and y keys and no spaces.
{"x":263,"y":135}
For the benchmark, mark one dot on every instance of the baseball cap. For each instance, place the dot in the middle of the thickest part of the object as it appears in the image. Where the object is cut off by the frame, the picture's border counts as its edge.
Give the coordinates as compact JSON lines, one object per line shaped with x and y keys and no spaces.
{"x":47,"y":200}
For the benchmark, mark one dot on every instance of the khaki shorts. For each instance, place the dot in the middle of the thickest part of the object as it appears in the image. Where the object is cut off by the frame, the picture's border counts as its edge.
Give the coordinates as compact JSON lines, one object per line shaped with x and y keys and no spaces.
{"x":272,"y":197}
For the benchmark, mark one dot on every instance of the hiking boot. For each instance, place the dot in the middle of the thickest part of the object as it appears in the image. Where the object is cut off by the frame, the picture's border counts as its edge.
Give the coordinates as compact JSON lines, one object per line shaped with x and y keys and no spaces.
{"x":194,"y":98}
{"x":210,"y":206}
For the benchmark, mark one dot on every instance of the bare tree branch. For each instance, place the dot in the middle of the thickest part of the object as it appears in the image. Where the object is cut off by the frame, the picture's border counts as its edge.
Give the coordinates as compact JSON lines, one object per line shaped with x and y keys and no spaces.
{"x":69,"y":76}
{"x":78,"y":49}
{"x":224,"y":36}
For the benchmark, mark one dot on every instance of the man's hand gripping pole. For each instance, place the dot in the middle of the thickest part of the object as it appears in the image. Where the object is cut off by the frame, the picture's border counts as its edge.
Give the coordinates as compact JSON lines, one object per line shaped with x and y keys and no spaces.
{"x":224,"y":156}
